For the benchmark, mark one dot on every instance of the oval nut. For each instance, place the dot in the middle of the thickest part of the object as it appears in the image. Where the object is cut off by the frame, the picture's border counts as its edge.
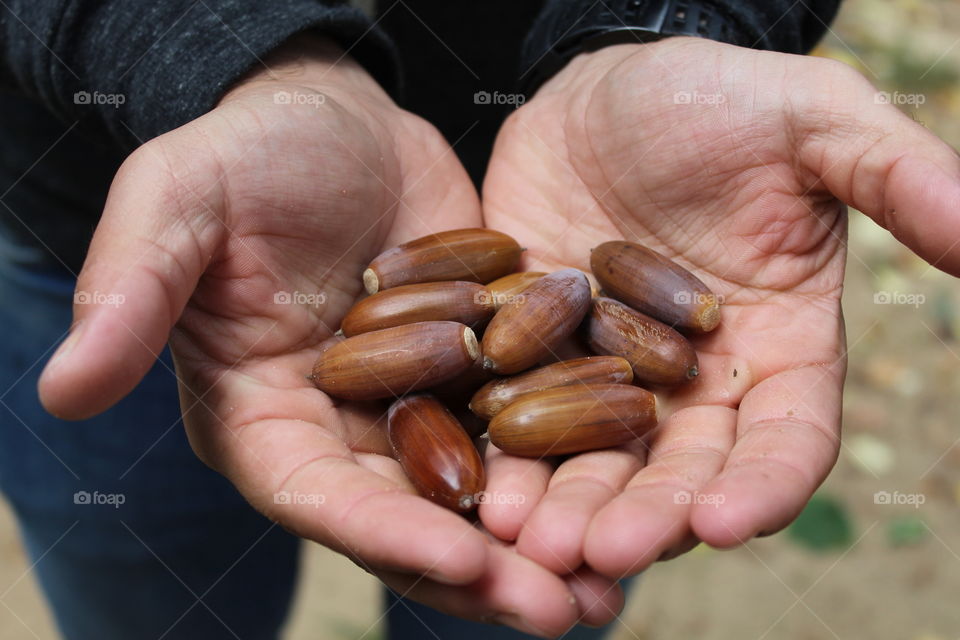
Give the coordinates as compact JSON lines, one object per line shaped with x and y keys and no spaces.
{"x":392,"y":362}
{"x":530,"y":327}
{"x":655,"y":285}
{"x":475,"y":255}
{"x":492,"y":397}
{"x":468,"y":303}
{"x":572,"y":419}
{"x":435,"y":452}
{"x":657,"y":353}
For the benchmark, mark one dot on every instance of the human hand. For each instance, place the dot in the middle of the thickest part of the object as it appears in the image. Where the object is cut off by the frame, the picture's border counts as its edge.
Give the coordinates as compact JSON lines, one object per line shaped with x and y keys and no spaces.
{"x":242,"y":236}
{"x":736,"y":164}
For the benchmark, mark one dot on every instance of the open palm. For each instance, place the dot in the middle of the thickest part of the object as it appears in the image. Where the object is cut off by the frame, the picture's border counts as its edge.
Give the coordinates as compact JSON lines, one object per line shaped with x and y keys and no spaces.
{"x":736,"y":164}
{"x":245,"y":233}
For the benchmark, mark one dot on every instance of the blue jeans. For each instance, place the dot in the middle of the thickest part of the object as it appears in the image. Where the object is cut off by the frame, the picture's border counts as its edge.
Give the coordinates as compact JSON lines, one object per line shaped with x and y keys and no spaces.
{"x":132,"y":536}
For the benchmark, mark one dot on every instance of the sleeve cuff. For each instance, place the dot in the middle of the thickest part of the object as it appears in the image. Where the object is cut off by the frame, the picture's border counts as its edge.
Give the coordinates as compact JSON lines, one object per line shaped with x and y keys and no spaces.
{"x":170,"y":71}
{"x":565,"y":28}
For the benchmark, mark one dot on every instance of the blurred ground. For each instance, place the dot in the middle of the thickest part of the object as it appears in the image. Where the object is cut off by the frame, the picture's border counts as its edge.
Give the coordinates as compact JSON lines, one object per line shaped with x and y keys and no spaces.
{"x":895,"y":573}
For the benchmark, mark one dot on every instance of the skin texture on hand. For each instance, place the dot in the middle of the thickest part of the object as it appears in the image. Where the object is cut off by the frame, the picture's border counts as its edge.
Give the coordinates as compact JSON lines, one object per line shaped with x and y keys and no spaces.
{"x":736,"y":164}
{"x":241,"y":236}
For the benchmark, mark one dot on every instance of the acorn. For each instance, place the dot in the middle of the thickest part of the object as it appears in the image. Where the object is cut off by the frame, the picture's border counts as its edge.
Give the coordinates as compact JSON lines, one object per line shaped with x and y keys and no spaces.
{"x":658,"y":354}
{"x":505,"y":289}
{"x":528,"y":328}
{"x":573,"y":418}
{"x":655,"y":285}
{"x":395,"y":361}
{"x":492,"y":397}
{"x":474,"y":255}
{"x":468,"y":303}
{"x":435,"y":452}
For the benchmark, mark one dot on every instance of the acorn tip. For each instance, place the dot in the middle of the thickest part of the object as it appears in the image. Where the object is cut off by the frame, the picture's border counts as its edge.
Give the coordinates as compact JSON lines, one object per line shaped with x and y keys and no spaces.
{"x":371,"y":282}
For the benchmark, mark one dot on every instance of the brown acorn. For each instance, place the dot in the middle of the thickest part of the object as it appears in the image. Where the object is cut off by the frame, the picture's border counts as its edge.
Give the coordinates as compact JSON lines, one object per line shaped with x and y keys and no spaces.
{"x":475,"y":255}
{"x":655,"y":285}
{"x":527,"y":329}
{"x":506,"y":288}
{"x":335,"y":339}
{"x":492,"y":397}
{"x":395,"y":361}
{"x":657,"y":353}
{"x":572,"y":419}
{"x":435,"y":452}
{"x":468,"y":303}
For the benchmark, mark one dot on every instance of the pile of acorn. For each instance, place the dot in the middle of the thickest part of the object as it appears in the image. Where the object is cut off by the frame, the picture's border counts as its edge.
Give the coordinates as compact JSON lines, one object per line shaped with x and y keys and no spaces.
{"x":415,"y":332}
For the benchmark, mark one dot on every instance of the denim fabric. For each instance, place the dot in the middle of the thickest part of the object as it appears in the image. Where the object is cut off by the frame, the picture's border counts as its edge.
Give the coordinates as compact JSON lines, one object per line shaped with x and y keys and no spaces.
{"x":127,"y":527}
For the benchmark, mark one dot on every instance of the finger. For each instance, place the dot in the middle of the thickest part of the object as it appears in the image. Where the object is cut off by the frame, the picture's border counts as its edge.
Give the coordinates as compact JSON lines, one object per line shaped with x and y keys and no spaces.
{"x":877,"y":159}
{"x":652,"y":513}
{"x":303,"y":476}
{"x":144,"y":262}
{"x":514,"y":487}
{"x":348,"y":506}
{"x":600,"y":599}
{"x":386,"y":467}
{"x":687,"y":543}
{"x":788,"y":436}
{"x":514,"y":591}
{"x":553,"y":534}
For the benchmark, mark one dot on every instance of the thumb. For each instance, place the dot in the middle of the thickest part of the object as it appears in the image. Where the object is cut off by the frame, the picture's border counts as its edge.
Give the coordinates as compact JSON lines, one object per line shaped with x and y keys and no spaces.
{"x":878,"y":160}
{"x":153,"y":242}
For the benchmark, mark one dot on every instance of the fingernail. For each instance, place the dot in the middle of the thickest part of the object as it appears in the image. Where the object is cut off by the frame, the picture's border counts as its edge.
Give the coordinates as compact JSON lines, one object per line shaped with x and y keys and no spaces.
{"x":67,"y":346}
{"x":442,"y":579}
{"x":519,"y":623}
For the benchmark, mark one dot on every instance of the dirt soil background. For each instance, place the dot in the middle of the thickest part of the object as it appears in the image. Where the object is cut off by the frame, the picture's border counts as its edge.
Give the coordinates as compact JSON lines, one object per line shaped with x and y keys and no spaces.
{"x":896,"y":574}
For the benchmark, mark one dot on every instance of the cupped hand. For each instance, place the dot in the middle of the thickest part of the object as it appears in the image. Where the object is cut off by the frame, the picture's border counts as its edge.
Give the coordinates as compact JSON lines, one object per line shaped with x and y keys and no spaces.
{"x":737,"y":164}
{"x":241,"y":236}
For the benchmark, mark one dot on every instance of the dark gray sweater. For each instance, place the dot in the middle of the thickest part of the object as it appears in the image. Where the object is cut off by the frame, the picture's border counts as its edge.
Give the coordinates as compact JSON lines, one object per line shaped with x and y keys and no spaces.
{"x":85,"y":81}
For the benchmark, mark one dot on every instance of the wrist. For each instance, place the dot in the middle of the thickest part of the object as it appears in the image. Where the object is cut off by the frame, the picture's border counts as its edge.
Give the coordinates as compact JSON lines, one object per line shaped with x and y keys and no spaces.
{"x":587,"y":70}
{"x":310,"y":61}
{"x":566,"y":30}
